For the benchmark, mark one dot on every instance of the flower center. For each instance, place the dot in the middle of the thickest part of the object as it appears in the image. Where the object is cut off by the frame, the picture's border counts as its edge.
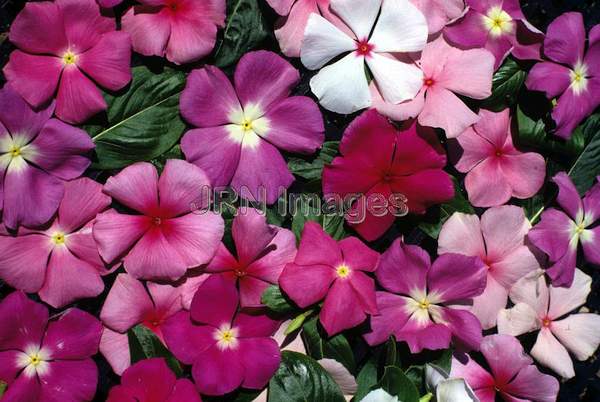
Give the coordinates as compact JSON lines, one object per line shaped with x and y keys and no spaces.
{"x":579,"y":78}
{"x":343,"y":271}
{"x":497,"y":21}
{"x":156,"y":221}
{"x":33,"y":360}
{"x":15,"y":151}
{"x":364,"y":48}
{"x":240,"y":272}
{"x":546,"y":322}
{"x":424,"y":304}
{"x":58,"y":238}
{"x":226,"y":337}
{"x":498,"y":153}
{"x":428,"y":82}
{"x":247,"y":125}
{"x":69,"y":58}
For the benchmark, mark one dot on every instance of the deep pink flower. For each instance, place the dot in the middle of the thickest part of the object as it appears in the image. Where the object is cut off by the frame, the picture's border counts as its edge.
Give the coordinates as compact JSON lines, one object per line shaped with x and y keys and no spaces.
{"x":65,"y":49}
{"x":496,"y":170}
{"x":262,"y":250}
{"x":182,"y":30}
{"x":47,"y":360}
{"x":559,"y":234}
{"x":399,"y":163}
{"x":336,"y":272}
{"x":169,"y":237}
{"x":241,"y":129}
{"x":419,"y":304}
{"x":152,"y":380}
{"x":60,"y":262}
{"x":37,"y":155}
{"x":109,"y":3}
{"x":227,"y":348}
{"x":499,"y":240}
{"x":513,"y":375}
{"x":572,"y":74}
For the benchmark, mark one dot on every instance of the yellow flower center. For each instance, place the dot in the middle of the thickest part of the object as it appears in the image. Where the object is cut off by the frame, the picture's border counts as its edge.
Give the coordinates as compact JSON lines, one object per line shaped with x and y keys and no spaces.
{"x":69,"y":58}
{"x":424,"y":304}
{"x":497,"y":21}
{"x":343,"y":271}
{"x":58,"y":238}
{"x":226,"y":337}
{"x":15,"y":151}
{"x":35,"y":360}
{"x":579,"y":78}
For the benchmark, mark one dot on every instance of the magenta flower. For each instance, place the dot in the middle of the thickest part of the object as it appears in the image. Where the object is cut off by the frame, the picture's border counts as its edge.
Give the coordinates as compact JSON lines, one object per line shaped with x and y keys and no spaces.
{"x":439,"y":13}
{"x":152,"y":380}
{"x":262,"y":250}
{"x":571,"y":74}
{"x":402,"y":168}
{"x":182,"y":30}
{"x":37,"y":156}
{"x":227,"y":348}
{"x":336,"y":272}
{"x":170,"y":236}
{"x":500,"y":27}
{"x":419,"y":304}
{"x":513,"y":375}
{"x":499,"y":240}
{"x":65,"y":49}
{"x":559,"y":234}
{"x":496,"y":170}
{"x":241,"y":129}
{"x":109,"y":3}
{"x":47,"y":360}
{"x":61,"y":261}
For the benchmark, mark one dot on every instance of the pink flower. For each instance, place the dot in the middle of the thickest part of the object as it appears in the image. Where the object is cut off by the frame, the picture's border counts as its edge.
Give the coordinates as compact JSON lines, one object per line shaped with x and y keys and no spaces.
{"x":447,"y":71}
{"x":496,"y":170}
{"x":227,"y":348}
{"x":336,"y":272}
{"x":560,"y":233}
{"x":152,"y":380}
{"x":109,"y":3}
{"x":65,"y":49}
{"x":61,"y":261}
{"x":241,"y":129}
{"x":419,"y":304}
{"x":182,"y":30}
{"x":514,"y":376}
{"x":439,"y":13}
{"x":262,"y":250}
{"x":541,"y":307}
{"x":47,"y":360}
{"x":403,"y":167}
{"x":37,"y":156}
{"x":169,"y":237}
{"x":499,"y":240}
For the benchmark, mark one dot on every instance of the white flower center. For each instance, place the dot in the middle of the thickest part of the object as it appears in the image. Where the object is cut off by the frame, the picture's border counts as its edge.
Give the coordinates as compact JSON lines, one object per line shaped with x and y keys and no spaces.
{"x":226,"y":337}
{"x":248,"y":125}
{"x":579,"y":78}
{"x":15,"y":151}
{"x":33,"y":361}
{"x":497,"y":21}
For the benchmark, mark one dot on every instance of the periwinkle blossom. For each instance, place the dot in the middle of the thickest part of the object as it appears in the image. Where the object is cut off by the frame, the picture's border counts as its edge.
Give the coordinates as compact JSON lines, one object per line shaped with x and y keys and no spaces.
{"x":47,"y":359}
{"x":571,"y":75}
{"x":65,"y":50}
{"x":379,"y":27}
{"x":37,"y":156}
{"x":498,"y":238}
{"x":421,"y":301}
{"x":240,"y":130}
{"x":439,"y":13}
{"x":172,"y":234}
{"x":446,"y":388}
{"x":336,"y":272}
{"x":183,"y":31}
{"x":109,"y":3}
{"x":60,"y":261}
{"x":559,"y":233}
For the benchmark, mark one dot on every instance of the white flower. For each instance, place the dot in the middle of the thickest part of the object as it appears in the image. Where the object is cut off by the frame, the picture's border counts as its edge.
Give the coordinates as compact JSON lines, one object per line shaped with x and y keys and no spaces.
{"x":380,"y":27}
{"x":379,"y":395}
{"x":447,"y":389}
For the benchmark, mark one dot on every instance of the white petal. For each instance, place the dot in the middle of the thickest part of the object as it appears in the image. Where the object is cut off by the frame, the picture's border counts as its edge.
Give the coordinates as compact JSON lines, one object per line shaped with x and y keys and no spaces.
{"x":580,"y":333}
{"x":342,"y":87}
{"x":434,"y":375}
{"x":454,"y":390}
{"x":401,"y":28}
{"x":322,"y":42}
{"x":517,"y":320}
{"x":359,"y":15}
{"x":565,"y":300}
{"x":550,"y":353}
{"x":340,"y":375}
{"x":397,"y":81}
{"x":379,"y":395}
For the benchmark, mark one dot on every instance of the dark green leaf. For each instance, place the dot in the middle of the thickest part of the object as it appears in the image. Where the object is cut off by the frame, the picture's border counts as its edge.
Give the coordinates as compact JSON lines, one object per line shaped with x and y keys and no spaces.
{"x":396,"y":383}
{"x":3,"y":386}
{"x":313,"y":170}
{"x":241,"y":395}
{"x":458,"y":204}
{"x":309,"y":208}
{"x":366,"y":379}
{"x":144,"y":344}
{"x":392,"y":357}
{"x":587,"y":166}
{"x":444,"y":361}
{"x":506,"y":85}
{"x":276,"y":301}
{"x":319,"y":346}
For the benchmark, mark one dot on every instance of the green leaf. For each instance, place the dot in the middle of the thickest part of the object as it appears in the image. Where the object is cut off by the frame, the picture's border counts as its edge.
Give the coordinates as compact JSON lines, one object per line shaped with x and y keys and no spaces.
{"x":240,"y":395}
{"x":366,"y":378}
{"x":506,"y":84}
{"x":143,"y":123}
{"x":298,"y":322}
{"x":144,"y":344}
{"x":587,"y":166}
{"x":3,"y":386}
{"x":319,"y":346}
{"x":392,"y":358}
{"x":444,"y":361}
{"x":276,"y":301}
{"x":308,"y":207}
{"x":313,"y":170}
{"x":244,"y":30}
{"x":302,"y":379}
{"x":396,"y":383}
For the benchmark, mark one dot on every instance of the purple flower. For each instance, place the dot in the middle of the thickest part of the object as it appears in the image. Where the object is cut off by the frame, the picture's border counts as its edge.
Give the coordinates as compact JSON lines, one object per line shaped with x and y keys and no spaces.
{"x":572,"y":75}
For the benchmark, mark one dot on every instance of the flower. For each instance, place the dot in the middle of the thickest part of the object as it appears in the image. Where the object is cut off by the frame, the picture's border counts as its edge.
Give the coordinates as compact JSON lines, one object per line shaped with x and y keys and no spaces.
{"x":60,"y":262}
{"x":343,"y":87}
{"x":379,"y":395}
{"x":540,"y":306}
{"x":496,"y":170}
{"x":65,"y":49}
{"x":418,"y":305}
{"x":170,"y":236}
{"x":559,"y":234}
{"x":447,"y":389}
{"x":446,"y":70}
{"x":499,"y":240}
{"x":241,"y":129}
{"x":513,"y":376}
{"x":404,"y":168}
{"x":439,"y":13}
{"x":262,"y":250}
{"x":571,"y":74}
{"x":336,"y":272}
{"x":42,"y":359}
{"x":227,"y":349}
{"x":182,"y":30}
{"x":109,"y":3}
{"x":151,"y":380}
{"x":500,"y":27}
{"x":37,"y":155}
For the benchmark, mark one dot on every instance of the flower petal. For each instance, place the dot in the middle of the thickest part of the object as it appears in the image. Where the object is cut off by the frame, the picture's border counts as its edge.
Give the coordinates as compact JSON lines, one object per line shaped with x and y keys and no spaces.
{"x":136,"y":187}
{"x":69,"y":379}
{"x":565,"y":39}
{"x":401,"y":27}
{"x":252,"y":235}
{"x":359,"y":15}
{"x":116,"y":233}
{"x":322,"y":42}
{"x":218,"y":372}
{"x":563,"y":300}
{"x":191,"y":38}
{"x":504,"y":229}
{"x":74,"y":336}
{"x":82,"y":201}
{"x":78,"y":98}
{"x":181,"y":187}
{"x":185,"y":339}
{"x":487,"y":305}
{"x":149,"y":31}
{"x":397,"y":81}
{"x":465,"y":327}
{"x":391,"y":318}
{"x":126,"y":304}
{"x":550,"y":353}
{"x":222,"y":297}
{"x":115,"y":349}
{"x":486,"y":185}
{"x":579,"y":333}
{"x":260,"y":358}
{"x":531,"y":384}
{"x":457,"y":118}
{"x":461,"y":233}
{"x":38,"y":28}
{"x":456,"y":277}
{"x":341,"y":309}
{"x":23,"y":261}
{"x":550,"y":78}
{"x":27,"y":320}
{"x":403,"y":268}
{"x":505,"y":355}
{"x":306,"y":284}
{"x":568,"y":196}
{"x":107,"y":63}
{"x":517,"y":320}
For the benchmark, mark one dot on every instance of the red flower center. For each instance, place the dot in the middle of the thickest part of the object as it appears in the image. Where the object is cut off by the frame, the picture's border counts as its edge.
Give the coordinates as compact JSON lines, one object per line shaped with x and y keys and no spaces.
{"x":498,"y":153}
{"x":239,"y":272}
{"x":156,"y":221}
{"x":364,"y":48}
{"x":546,"y":322}
{"x":428,"y":82}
